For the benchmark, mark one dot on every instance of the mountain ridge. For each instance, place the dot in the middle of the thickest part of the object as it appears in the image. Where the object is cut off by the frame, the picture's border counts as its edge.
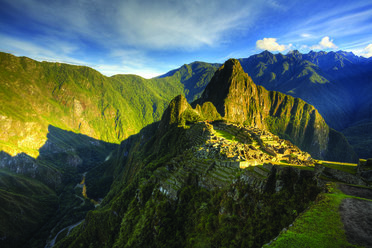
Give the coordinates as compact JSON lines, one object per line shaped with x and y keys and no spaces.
{"x":339,"y":91}
{"x":36,"y":94}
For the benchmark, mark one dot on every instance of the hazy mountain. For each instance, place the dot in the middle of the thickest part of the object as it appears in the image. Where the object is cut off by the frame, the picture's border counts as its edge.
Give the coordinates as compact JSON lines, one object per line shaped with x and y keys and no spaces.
{"x":194,"y":77}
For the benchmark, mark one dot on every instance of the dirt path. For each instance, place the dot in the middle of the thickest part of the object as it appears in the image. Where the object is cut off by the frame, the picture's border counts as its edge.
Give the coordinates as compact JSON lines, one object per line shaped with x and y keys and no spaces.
{"x":356,"y":214}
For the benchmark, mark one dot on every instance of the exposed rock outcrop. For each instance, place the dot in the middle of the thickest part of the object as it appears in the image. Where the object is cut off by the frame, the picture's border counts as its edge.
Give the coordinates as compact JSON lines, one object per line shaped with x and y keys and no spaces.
{"x":25,"y":165}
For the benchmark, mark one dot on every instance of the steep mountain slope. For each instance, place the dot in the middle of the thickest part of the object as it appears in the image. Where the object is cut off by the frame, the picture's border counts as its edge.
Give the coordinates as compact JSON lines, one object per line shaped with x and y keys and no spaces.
{"x":336,"y":83}
{"x":180,"y":188}
{"x":325,"y":80}
{"x":35,"y":94}
{"x":238,"y":99}
{"x":43,"y":108}
{"x":164,"y":170}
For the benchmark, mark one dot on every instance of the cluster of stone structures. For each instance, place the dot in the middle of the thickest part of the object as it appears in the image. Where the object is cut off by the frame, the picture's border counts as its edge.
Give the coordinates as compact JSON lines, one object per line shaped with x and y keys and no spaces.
{"x":245,"y":153}
{"x":248,"y":146}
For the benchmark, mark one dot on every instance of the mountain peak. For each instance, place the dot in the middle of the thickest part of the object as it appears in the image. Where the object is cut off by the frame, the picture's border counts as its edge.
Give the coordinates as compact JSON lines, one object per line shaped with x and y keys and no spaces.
{"x":229,"y":75}
{"x":295,"y":52}
{"x":176,"y":107}
{"x":231,"y":66}
{"x":232,"y":63}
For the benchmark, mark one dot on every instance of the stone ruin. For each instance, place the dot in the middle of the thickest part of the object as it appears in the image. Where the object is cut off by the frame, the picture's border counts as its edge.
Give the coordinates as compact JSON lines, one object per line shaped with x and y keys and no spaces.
{"x":249,"y":147}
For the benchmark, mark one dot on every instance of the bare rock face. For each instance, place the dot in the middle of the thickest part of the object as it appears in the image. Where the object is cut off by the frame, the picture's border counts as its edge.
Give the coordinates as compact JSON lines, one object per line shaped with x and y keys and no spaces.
{"x":24,"y":164}
{"x":239,"y":100}
{"x":365,"y":169}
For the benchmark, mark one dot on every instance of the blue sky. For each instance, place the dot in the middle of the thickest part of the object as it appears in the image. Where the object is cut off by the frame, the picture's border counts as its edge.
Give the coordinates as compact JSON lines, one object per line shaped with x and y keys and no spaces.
{"x":149,"y":37}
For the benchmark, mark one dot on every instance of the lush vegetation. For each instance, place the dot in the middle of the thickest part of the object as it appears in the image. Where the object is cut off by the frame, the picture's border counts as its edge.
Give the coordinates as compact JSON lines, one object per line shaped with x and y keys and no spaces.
{"x":320,"y":226}
{"x":194,"y":77}
{"x":25,"y":205}
{"x":156,"y":192}
{"x":137,"y":213}
{"x":34,"y":95}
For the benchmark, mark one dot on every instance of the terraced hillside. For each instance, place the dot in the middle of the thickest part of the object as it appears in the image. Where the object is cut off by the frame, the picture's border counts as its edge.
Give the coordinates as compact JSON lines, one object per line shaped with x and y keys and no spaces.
{"x":190,"y":182}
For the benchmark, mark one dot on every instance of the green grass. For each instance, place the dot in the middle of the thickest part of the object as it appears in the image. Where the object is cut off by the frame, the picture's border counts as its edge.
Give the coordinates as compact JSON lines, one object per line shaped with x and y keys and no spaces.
{"x":345,"y":167}
{"x":226,"y":135}
{"x":320,"y":226}
{"x":301,"y":167}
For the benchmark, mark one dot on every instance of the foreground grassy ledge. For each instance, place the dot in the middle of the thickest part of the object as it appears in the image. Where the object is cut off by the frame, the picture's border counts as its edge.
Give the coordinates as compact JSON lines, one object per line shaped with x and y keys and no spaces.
{"x":319,"y":226}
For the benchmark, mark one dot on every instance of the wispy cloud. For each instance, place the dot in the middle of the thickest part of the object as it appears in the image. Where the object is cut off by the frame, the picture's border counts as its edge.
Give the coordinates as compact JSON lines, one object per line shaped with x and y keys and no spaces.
{"x":126,"y":32}
{"x":345,"y":22}
{"x":46,"y":51}
{"x":147,"y":37}
{"x":185,"y":24}
{"x":305,"y":35}
{"x":144,"y":24}
{"x":122,"y":61}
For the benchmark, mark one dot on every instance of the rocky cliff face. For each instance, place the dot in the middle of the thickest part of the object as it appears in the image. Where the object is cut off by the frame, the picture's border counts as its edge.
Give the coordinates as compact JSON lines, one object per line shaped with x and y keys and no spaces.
{"x":23,"y":164}
{"x":238,"y":99}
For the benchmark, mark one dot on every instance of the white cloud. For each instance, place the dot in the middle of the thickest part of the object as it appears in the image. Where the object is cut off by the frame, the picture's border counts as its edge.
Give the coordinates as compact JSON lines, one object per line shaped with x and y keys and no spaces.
{"x":367,"y":51}
{"x":325,"y":43}
{"x":270,"y":44}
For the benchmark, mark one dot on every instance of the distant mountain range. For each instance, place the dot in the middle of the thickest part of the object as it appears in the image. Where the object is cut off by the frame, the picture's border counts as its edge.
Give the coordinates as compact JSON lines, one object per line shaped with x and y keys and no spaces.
{"x":338,"y":84}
